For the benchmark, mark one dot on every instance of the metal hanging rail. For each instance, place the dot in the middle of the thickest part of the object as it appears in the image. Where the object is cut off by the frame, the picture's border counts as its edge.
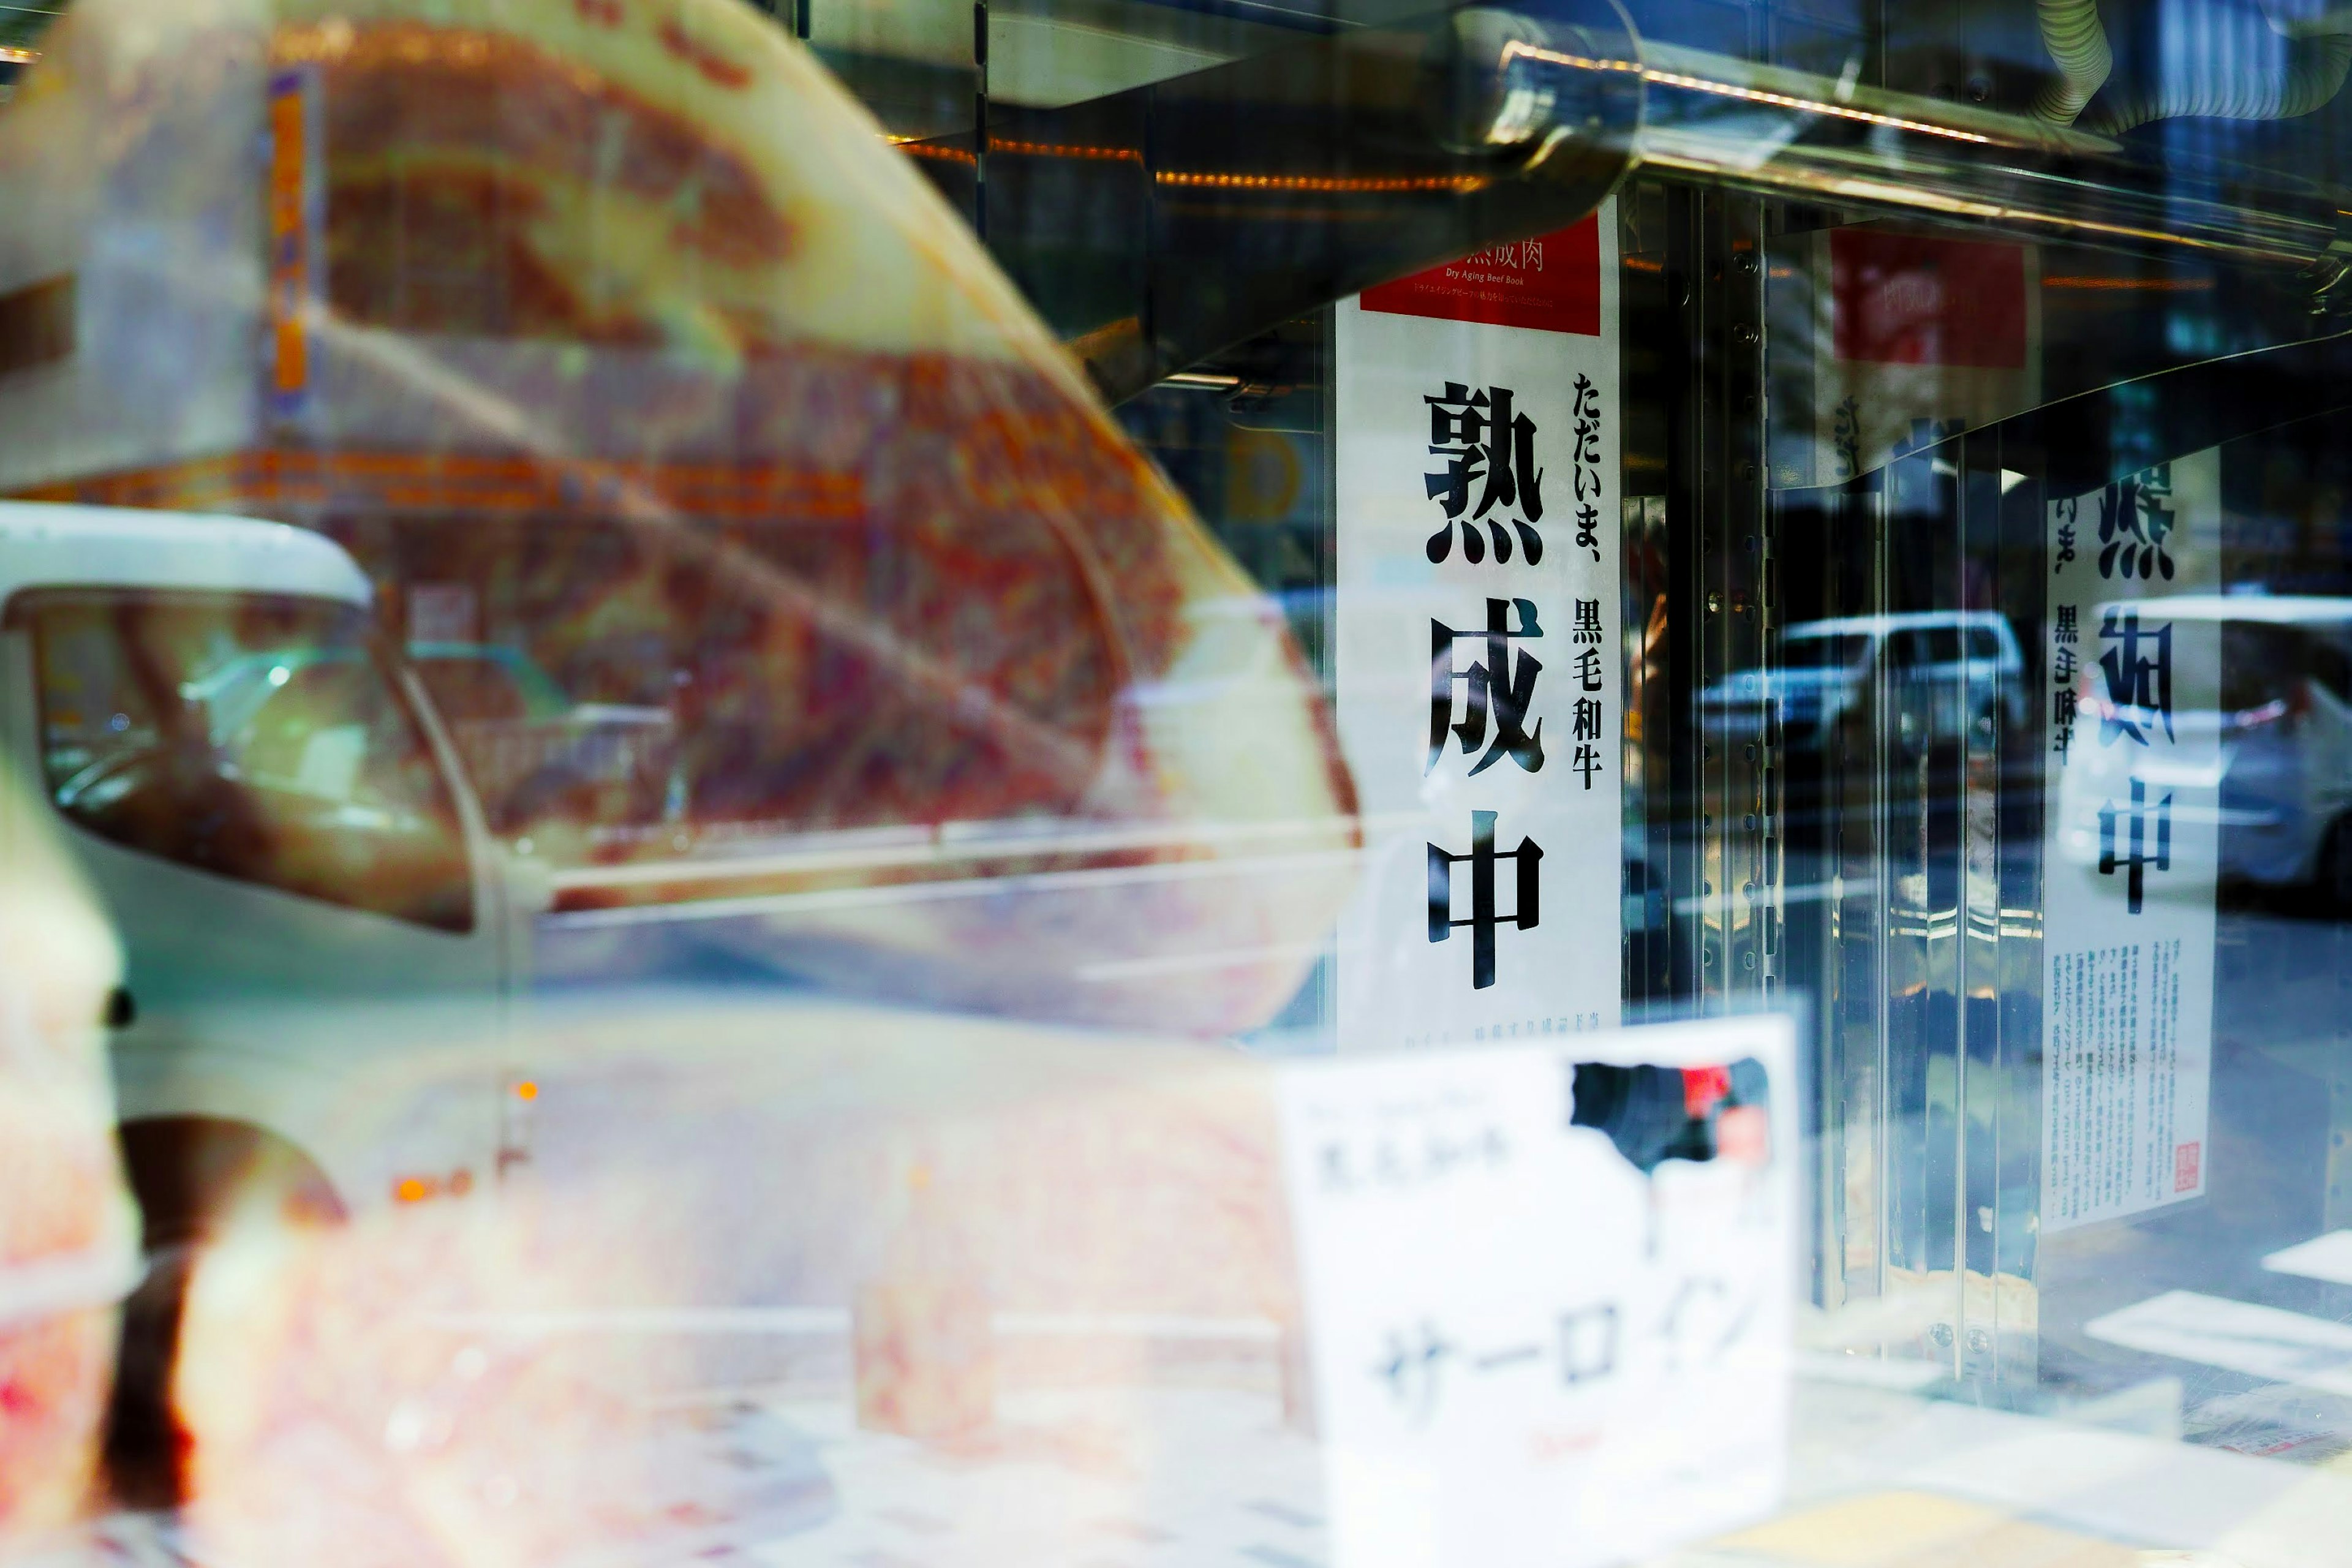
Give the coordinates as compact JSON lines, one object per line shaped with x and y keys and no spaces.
{"x":1224,"y":201}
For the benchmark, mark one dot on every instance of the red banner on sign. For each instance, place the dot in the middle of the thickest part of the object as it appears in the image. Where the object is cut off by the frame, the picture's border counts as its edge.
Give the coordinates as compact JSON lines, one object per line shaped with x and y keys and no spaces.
{"x":1902,"y":300}
{"x":1551,"y":283}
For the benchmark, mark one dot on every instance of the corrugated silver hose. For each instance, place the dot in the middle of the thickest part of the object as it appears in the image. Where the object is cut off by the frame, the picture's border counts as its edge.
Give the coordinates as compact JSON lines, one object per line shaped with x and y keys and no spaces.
{"x":2078,"y":42}
{"x":2235,"y":65}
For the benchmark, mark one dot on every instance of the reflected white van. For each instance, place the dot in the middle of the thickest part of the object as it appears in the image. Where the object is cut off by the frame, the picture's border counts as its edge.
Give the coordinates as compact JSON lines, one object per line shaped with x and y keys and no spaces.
{"x":1944,"y":670}
{"x":276,"y":823}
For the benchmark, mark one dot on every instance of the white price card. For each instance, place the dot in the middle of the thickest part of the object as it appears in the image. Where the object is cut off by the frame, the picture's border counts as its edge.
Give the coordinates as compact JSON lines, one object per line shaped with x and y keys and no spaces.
{"x":1549,"y":1291}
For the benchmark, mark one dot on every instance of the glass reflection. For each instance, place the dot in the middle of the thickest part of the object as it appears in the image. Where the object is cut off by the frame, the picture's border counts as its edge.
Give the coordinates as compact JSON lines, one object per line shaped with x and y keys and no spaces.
{"x":711,"y":951}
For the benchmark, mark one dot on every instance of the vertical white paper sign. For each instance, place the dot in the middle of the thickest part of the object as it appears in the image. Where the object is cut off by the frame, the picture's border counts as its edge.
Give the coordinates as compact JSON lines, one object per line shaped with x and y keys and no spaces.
{"x":1480,"y":693}
{"x":1549,"y":1291}
{"x":2129,"y":852}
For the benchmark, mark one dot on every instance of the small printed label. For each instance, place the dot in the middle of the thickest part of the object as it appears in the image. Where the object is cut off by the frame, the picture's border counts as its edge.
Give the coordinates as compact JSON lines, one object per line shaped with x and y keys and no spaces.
{"x":1550,"y":283}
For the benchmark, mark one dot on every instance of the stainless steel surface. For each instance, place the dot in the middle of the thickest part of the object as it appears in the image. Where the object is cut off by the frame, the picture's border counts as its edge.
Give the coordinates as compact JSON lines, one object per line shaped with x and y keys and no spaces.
{"x":1769,"y":129}
{"x":1240,"y":196}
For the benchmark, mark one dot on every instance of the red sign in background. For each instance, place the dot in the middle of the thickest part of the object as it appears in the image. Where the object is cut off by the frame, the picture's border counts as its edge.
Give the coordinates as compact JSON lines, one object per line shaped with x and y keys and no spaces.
{"x":1900,"y":299}
{"x":1551,"y":283}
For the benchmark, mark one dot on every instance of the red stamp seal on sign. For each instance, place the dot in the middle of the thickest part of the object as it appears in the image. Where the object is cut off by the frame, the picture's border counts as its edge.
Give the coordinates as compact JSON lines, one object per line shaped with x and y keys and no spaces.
{"x":2186,"y":1161}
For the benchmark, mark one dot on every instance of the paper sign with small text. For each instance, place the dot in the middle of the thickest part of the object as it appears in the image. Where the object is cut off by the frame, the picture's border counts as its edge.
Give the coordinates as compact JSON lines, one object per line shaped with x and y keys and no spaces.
{"x":1549,"y":1291}
{"x":2135,"y":722}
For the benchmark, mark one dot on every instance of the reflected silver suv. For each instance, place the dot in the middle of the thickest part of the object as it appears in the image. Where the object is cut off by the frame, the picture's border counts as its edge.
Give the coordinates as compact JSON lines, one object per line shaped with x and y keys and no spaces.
{"x":1945,"y":669}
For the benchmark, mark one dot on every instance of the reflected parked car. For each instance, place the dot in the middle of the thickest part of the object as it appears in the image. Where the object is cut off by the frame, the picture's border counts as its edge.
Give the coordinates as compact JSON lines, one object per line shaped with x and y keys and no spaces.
{"x":297,"y":870}
{"x":471,"y":682}
{"x":535,"y":756}
{"x":1944,"y":669}
{"x":2262,"y":753}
